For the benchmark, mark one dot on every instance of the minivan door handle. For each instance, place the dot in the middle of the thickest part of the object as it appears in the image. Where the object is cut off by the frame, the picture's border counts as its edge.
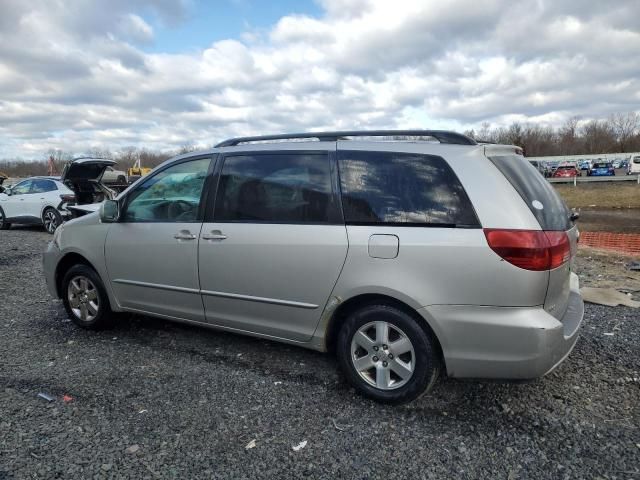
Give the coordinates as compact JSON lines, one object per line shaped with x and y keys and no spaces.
{"x":214,"y":235}
{"x":184,"y":235}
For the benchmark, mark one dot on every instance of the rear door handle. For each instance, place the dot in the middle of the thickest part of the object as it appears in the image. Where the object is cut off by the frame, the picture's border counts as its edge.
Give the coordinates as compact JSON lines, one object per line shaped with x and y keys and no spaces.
{"x":184,"y":235}
{"x":214,"y":235}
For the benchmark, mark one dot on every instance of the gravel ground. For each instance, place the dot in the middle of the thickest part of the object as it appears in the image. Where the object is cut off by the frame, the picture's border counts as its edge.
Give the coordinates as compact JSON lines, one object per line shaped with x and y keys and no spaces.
{"x":152,"y":399}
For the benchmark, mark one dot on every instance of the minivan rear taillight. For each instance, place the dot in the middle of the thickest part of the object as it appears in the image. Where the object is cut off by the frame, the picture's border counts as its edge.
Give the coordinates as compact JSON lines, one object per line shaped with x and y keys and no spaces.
{"x":530,"y":249}
{"x":68,"y":198}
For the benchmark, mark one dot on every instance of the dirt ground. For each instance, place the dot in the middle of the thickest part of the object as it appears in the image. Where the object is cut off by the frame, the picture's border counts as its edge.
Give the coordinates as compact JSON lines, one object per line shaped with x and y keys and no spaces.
{"x":610,"y":220}
{"x":600,"y":268}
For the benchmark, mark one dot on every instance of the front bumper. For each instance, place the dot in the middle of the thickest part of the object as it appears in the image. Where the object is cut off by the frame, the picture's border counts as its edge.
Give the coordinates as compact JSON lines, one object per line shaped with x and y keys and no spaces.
{"x":505,"y":342}
{"x":50,"y":259}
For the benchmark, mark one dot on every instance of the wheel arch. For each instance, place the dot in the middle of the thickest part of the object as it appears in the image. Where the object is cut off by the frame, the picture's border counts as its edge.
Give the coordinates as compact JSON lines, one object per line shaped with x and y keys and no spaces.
{"x":359,"y":301}
{"x":44,"y":209}
{"x":65,"y":263}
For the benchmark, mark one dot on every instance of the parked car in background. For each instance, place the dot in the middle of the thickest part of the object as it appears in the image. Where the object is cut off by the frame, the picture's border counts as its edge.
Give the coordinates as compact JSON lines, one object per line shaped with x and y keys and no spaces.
{"x":345,"y":244}
{"x":602,"y":169}
{"x":36,"y":201}
{"x":566,"y":170}
{"x":540,"y":166}
{"x":585,"y":165}
{"x":634,"y":166}
{"x":113,"y":176}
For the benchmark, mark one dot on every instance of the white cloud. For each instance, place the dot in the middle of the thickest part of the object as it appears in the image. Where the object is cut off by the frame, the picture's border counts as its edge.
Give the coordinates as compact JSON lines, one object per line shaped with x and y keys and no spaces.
{"x":73,"y":75}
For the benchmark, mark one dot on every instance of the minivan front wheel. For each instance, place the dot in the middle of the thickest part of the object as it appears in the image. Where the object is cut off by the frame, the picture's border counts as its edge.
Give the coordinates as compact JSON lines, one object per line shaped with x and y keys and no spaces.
{"x":85,"y":298}
{"x":386,"y":355}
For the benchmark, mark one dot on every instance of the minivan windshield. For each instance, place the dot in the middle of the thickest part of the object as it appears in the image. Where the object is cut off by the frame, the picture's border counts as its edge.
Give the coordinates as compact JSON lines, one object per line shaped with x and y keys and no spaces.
{"x":541,"y":198}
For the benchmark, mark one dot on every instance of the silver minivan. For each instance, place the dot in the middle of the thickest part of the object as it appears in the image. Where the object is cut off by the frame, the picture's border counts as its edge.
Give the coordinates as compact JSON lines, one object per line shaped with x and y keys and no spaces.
{"x":407,"y":253}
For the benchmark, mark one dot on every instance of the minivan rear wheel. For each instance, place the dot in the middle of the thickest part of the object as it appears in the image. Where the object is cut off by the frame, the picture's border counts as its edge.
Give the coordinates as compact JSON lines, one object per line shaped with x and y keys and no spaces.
{"x":386,"y":355}
{"x":85,"y":298}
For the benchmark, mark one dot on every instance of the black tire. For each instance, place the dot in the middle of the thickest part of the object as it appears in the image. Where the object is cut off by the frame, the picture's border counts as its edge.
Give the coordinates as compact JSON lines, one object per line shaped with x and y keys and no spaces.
{"x":4,"y":225}
{"x":104,"y":317}
{"x":51,"y":219}
{"x":425,"y":356}
{"x":122,"y":180}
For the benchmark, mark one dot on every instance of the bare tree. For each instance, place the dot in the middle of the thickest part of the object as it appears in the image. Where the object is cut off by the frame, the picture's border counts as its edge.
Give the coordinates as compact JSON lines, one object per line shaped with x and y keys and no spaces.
{"x":599,"y":137}
{"x":625,"y":127}
{"x":568,"y":137}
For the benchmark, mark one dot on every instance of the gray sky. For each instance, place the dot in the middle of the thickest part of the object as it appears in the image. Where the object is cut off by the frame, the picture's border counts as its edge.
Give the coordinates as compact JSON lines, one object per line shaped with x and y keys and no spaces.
{"x":80,"y":74}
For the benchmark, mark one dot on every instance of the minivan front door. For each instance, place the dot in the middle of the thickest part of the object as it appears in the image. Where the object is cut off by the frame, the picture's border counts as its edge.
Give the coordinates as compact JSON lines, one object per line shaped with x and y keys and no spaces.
{"x":275,"y":247}
{"x":152,"y":252}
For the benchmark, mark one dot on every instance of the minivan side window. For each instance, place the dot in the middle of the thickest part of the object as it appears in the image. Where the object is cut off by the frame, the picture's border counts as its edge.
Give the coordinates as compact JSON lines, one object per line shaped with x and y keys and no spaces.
{"x":402,"y":189}
{"x":172,"y":195}
{"x":276,"y":188}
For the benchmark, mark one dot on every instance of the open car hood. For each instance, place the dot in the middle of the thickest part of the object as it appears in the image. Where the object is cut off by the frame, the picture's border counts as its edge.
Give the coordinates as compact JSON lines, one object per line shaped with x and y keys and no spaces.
{"x":85,"y":169}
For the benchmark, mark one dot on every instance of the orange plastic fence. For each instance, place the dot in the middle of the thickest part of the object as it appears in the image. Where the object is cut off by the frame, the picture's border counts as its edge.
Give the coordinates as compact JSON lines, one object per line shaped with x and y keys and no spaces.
{"x":628,"y":243}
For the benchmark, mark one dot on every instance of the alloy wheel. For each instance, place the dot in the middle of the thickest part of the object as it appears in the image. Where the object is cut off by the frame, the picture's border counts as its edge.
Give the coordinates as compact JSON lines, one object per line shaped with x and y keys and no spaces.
{"x":83,"y":298}
{"x":383,"y":355}
{"x":50,"y":221}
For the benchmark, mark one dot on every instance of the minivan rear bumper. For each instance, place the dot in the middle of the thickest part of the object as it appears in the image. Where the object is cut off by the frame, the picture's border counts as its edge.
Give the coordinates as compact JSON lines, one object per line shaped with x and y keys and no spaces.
{"x":505,"y":342}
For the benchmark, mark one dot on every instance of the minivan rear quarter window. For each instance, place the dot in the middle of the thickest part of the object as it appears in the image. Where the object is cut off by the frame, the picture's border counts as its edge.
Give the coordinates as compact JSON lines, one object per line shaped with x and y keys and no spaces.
{"x":541,"y":198}
{"x":402,"y":189}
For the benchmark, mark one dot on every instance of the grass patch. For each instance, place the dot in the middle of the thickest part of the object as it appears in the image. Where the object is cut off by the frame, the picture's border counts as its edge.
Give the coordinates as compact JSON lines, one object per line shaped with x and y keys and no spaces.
{"x":602,"y":195}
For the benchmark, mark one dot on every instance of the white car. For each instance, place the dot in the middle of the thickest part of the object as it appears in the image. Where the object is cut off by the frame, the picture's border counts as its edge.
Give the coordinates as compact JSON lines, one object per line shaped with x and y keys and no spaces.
{"x":634,"y":166}
{"x":112,"y":176}
{"x":36,"y":201}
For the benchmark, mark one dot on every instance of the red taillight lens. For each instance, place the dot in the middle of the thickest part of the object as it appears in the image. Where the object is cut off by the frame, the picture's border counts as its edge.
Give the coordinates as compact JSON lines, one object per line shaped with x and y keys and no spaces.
{"x":530,"y":249}
{"x":68,"y":198}
{"x":559,"y":248}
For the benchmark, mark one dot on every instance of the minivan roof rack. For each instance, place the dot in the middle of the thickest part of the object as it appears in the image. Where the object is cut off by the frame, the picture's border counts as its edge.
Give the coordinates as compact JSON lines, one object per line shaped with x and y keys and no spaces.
{"x":443,"y":136}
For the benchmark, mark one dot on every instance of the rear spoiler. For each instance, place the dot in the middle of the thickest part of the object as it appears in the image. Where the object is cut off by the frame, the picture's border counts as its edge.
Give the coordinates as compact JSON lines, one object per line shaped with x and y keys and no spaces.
{"x":492,"y":149}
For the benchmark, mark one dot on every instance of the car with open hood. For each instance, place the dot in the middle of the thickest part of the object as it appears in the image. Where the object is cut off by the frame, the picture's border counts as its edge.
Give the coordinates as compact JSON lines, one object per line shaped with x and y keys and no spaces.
{"x":84,"y":176}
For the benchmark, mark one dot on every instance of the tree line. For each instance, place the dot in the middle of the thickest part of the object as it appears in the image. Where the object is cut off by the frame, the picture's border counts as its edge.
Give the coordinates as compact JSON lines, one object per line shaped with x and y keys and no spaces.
{"x":125,"y":159}
{"x":619,"y":133}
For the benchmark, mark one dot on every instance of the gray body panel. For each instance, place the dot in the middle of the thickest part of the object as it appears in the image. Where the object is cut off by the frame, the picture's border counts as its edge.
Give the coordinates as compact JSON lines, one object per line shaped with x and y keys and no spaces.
{"x":154,"y":272}
{"x":437,"y":266}
{"x":559,"y":290}
{"x":282,"y":281}
{"x":273,"y":279}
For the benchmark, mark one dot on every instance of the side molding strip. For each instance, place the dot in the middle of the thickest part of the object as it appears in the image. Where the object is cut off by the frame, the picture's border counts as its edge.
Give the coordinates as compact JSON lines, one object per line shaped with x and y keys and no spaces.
{"x":249,"y":298}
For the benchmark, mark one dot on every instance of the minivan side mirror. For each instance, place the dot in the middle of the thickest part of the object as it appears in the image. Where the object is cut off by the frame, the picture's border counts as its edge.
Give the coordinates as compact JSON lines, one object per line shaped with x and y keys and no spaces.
{"x":109,"y":211}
